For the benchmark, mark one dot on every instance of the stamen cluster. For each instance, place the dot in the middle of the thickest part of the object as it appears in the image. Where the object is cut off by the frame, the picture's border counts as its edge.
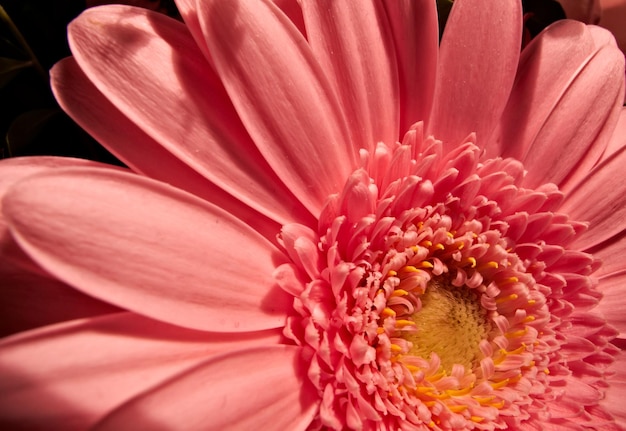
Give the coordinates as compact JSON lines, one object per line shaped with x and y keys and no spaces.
{"x":427,"y":298}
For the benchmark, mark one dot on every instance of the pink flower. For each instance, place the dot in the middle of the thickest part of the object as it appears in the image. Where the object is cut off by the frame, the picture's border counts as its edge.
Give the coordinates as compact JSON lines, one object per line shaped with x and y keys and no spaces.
{"x":337,"y":224}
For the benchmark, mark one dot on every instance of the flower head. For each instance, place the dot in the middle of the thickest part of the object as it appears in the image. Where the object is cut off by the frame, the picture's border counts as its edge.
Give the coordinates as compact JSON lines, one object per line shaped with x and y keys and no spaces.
{"x":361,"y":230}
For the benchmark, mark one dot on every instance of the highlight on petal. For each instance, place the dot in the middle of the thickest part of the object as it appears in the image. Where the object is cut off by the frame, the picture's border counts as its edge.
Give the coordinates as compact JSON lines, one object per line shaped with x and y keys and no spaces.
{"x":262,"y":388}
{"x":69,"y":375}
{"x":282,"y":96}
{"x":148,"y":247}
{"x":181,"y":104}
{"x":478,"y":58}
{"x":353,"y":43}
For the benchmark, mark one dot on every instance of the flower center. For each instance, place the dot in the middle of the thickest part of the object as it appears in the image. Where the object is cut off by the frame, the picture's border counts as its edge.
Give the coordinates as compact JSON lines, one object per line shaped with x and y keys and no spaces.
{"x":451,"y":323}
{"x":424,"y":299}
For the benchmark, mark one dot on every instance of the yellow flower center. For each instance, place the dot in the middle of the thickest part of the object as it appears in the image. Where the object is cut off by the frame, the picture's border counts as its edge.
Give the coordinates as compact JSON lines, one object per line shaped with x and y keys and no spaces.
{"x":450,"y":323}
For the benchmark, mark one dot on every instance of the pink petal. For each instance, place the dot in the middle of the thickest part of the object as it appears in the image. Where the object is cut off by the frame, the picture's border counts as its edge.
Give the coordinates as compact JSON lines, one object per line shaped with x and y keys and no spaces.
{"x":189,"y":13}
{"x":601,"y":36}
{"x":13,"y":170}
{"x":600,"y":199}
{"x":478,"y":59}
{"x":414,"y":27}
{"x":255,"y":389}
{"x":129,"y":143}
{"x":181,"y":104}
{"x":282,"y":96}
{"x":69,"y":375}
{"x":571,"y":138}
{"x":148,"y":247}
{"x":613,"y":304}
{"x":353,"y":44}
{"x":545,"y":70}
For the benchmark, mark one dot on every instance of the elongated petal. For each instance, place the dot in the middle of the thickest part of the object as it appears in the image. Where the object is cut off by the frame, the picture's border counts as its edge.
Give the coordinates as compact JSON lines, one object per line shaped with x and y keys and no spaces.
{"x":546,"y":68}
{"x":478,"y":58}
{"x":187,"y":10}
{"x":571,"y":136}
{"x":181,"y":104}
{"x":148,"y":247}
{"x":353,"y":43}
{"x":282,"y":95}
{"x":600,"y":199}
{"x":259,"y":388}
{"x":69,"y":375}
{"x":414,"y":27}
{"x":88,"y":106}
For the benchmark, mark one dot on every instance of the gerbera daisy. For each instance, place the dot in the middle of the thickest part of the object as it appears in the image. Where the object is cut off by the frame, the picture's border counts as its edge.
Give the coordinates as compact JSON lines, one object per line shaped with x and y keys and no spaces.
{"x":329,"y":222}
